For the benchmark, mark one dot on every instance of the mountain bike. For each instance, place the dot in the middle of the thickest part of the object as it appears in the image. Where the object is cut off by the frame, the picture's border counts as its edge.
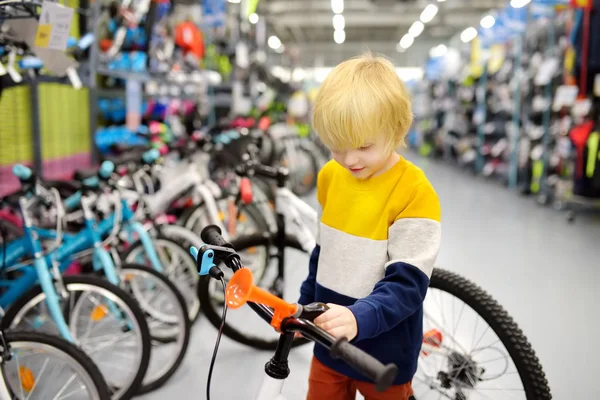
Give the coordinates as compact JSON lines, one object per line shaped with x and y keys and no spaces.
{"x":35,"y":366}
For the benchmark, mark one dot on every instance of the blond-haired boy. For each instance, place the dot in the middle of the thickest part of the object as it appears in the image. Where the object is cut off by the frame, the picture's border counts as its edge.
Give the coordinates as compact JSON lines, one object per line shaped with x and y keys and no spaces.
{"x":379,"y":231}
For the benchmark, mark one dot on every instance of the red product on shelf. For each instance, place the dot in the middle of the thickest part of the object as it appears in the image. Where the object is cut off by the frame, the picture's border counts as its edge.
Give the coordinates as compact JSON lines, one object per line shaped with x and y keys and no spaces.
{"x":190,"y":39}
{"x":579,"y":136}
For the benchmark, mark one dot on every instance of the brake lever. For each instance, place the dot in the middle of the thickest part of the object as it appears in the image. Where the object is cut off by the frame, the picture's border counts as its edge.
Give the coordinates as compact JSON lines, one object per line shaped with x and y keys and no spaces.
{"x":206,"y":257}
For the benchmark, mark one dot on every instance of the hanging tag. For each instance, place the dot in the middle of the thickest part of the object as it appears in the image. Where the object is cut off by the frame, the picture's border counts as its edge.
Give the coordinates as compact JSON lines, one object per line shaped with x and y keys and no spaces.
{"x":14,"y":74}
{"x":565,"y":96}
{"x":74,"y":78}
{"x":54,"y":26}
{"x":581,"y":108}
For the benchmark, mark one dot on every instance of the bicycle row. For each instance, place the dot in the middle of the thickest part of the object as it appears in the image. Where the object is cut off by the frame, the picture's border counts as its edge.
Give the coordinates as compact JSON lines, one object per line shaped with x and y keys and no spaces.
{"x":103,"y":261}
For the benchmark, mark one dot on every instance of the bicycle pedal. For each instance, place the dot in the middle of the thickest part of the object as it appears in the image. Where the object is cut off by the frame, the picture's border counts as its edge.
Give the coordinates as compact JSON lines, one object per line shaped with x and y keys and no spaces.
{"x":432,"y":338}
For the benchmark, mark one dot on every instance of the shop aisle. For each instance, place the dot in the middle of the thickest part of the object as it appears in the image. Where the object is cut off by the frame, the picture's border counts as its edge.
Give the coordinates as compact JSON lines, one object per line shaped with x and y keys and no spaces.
{"x":544,"y":271}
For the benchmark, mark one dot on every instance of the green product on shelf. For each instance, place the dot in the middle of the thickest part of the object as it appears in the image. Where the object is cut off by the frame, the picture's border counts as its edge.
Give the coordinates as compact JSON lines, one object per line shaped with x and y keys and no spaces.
{"x":425,"y":149}
{"x":593,"y":142}
{"x":536,"y":175}
{"x":16,"y":143}
{"x":303,"y":130}
{"x":64,"y":121}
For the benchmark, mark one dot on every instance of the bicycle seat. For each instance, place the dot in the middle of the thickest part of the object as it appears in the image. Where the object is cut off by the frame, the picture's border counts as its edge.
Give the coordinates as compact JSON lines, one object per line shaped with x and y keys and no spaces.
{"x":121,"y":148}
{"x":84,"y":173}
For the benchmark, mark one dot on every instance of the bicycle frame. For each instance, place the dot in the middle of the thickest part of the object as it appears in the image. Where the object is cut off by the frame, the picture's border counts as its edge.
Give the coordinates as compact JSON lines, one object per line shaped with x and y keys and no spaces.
{"x":179,"y":181}
{"x":61,"y":258}
{"x":294,"y":209}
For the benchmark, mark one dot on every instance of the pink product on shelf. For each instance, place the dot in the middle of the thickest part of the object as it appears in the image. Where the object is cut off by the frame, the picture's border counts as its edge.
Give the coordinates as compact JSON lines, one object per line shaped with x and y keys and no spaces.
{"x":164,"y":149}
{"x":9,"y":183}
{"x":74,"y":269}
{"x":63,"y":168}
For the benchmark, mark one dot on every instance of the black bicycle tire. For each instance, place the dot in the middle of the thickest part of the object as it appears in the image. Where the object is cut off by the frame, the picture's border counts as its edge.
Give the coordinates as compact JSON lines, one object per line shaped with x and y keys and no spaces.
{"x":138,"y":243}
{"x":512,"y":337}
{"x":66,"y":347}
{"x":146,"y":388}
{"x":117,"y":292}
{"x":214,"y":316}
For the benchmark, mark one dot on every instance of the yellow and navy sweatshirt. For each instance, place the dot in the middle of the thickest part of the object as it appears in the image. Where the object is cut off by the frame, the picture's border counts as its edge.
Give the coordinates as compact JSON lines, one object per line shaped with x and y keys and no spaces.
{"x":376,"y":245}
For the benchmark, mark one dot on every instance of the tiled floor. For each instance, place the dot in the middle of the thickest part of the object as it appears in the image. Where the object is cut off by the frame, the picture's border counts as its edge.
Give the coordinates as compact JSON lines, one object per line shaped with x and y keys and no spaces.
{"x":544,"y":271}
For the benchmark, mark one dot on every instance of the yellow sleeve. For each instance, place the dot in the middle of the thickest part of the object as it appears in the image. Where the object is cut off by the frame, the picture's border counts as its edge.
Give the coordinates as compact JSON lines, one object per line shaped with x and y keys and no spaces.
{"x":423,"y":203}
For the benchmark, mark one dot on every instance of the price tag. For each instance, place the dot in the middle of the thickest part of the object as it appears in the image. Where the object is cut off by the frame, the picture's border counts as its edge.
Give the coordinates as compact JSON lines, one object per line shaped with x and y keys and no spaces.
{"x":54,"y":26}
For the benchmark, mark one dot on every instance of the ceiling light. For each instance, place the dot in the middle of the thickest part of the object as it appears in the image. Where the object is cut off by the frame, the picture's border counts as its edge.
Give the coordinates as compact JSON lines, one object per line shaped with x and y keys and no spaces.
{"x":253,"y":18}
{"x":274,"y":42}
{"x":337,"y":6}
{"x":441,"y":1}
{"x":438,"y":51}
{"x":487,"y":22}
{"x":338,"y":22}
{"x":406,"y":41}
{"x":339,"y":36}
{"x":235,"y":1}
{"x":468,"y":34}
{"x":416,"y":29}
{"x":280,"y":49}
{"x":429,"y":13}
{"x":400,"y":49}
{"x":519,"y":3}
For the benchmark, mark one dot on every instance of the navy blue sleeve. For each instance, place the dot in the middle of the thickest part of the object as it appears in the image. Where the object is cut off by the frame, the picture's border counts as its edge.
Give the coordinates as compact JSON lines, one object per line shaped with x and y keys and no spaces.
{"x":395,"y":297}
{"x":307,"y":290}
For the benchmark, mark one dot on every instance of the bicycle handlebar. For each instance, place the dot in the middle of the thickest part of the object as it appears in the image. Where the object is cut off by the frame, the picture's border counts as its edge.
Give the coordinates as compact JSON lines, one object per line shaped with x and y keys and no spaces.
{"x":382,"y":375}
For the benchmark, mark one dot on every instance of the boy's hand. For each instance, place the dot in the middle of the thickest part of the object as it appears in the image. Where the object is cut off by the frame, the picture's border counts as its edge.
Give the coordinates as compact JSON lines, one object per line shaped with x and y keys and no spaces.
{"x":339,"y":321}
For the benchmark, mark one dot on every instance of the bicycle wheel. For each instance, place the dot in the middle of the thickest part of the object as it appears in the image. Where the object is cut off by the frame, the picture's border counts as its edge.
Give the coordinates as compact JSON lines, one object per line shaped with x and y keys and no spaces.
{"x":462,"y":356}
{"x":178,"y":265}
{"x":167,"y":317}
{"x":250,"y":218}
{"x":44,"y":367}
{"x":255,"y":254}
{"x":104,"y":320}
{"x":303,"y":166}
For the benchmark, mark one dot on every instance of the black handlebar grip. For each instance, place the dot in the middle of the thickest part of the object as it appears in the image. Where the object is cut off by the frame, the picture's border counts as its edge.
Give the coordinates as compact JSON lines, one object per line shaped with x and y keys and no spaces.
{"x":382,"y":375}
{"x":211,"y":235}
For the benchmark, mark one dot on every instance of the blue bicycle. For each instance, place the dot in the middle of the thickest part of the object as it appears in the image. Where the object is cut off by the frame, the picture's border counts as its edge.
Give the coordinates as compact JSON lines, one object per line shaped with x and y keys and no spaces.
{"x":90,"y":311}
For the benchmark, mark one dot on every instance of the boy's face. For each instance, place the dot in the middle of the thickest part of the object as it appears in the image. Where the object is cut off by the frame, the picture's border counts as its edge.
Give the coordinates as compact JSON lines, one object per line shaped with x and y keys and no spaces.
{"x":366,"y":161}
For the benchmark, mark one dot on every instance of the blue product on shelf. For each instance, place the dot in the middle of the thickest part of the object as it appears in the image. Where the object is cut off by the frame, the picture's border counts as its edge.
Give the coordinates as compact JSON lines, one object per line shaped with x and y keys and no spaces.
{"x":139,"y":37}
{"x":105,"y":106}
{"x":138,"y":61}
{"x":118,"y":110}
{"x":29,"y":62}
{"x":105,"y":137}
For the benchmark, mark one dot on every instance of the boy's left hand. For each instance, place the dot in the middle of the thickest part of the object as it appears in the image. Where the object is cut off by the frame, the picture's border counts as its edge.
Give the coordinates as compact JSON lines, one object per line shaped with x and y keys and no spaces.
{"x":339,"y":321}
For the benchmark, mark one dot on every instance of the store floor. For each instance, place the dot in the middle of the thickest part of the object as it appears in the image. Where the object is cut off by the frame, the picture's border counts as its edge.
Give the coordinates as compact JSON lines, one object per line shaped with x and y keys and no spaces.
{"x":543,"y":270}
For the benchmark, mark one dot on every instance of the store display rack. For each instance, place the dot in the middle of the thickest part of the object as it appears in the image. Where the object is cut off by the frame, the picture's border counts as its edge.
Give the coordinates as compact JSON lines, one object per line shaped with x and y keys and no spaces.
{"x":510,"y":114}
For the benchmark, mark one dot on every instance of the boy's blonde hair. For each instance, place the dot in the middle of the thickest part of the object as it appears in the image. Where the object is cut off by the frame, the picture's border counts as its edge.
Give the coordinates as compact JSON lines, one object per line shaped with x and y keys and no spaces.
{"x":359,"y":100}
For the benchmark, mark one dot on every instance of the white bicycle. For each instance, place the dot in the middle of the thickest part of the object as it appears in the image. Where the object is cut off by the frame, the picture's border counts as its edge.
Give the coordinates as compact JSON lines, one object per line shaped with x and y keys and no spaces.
{"x":472,"y":348}
{"x":285,"y":318}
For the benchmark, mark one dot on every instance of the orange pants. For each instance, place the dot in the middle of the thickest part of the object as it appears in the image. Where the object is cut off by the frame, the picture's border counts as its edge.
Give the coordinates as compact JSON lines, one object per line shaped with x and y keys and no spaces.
{"x":326,"y":384}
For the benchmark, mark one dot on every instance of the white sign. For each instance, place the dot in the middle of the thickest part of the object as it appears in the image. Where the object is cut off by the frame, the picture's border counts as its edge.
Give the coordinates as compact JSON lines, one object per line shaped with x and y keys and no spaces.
{"x":54,"y":26}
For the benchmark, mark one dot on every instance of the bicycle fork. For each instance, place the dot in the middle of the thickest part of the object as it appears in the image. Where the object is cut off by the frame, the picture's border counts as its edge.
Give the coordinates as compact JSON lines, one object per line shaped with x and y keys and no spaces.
{"x":44,"y":276}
